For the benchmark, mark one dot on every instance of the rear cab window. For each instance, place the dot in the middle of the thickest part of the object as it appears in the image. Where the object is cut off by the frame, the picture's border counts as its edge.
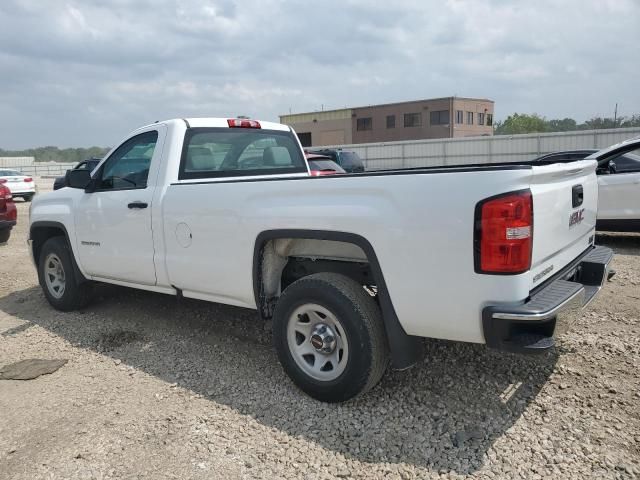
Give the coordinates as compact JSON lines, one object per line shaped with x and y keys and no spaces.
{"x":239,"y":152}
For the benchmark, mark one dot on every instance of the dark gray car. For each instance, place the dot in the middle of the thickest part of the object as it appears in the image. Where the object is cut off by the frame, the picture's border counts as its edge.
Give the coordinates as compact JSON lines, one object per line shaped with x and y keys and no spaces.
{"x":628,"y":162}
{"x":88,"y":164}
{"x":349,"y":161}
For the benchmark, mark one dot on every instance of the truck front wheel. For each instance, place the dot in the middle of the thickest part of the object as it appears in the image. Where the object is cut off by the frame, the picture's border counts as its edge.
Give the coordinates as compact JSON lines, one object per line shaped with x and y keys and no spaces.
{"x":329,"y":336}
{"x":58,"y":277}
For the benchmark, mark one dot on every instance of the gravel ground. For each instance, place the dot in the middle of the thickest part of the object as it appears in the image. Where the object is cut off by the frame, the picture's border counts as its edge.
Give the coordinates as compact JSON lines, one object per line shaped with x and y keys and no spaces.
{"x":161,"y":388}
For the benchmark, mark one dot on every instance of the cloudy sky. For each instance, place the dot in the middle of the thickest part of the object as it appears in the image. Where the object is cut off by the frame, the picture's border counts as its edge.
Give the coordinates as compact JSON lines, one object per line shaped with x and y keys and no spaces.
{"x":81,"y":73}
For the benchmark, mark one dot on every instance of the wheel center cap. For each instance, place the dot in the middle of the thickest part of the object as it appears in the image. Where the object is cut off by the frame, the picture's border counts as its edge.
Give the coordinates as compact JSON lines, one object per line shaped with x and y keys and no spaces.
{"x":323,"y":339}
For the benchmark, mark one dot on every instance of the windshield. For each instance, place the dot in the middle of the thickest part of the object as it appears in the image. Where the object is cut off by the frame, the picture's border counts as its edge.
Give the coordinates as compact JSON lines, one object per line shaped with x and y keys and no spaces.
{"x":325,"y":165}
{"x":87,"y":165}
{"x":350,"y":159}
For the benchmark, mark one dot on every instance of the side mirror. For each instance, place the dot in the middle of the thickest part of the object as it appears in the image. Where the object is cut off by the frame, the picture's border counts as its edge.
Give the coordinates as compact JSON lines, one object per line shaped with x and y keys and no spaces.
{"x":613,"y":168}
{"x":77,"y":179}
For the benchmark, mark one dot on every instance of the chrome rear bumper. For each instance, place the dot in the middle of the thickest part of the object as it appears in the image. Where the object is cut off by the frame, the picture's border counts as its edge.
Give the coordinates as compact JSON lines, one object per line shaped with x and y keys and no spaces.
{"x":531,"y":326}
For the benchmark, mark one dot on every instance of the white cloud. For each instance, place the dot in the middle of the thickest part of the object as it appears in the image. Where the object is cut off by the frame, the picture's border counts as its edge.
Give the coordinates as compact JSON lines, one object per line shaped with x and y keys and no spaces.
{"x":85,"y":72}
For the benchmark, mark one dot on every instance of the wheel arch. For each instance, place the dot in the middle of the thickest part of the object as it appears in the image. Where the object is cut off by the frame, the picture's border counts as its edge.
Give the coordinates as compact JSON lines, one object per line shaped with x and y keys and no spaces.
{"x":40,"y":232}
{"x":405,"y":349}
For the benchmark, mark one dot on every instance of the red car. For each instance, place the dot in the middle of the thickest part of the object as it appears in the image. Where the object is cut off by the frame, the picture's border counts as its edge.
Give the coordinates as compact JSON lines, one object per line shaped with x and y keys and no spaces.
{"x":321,"y":165}
{"x":8,"y":213}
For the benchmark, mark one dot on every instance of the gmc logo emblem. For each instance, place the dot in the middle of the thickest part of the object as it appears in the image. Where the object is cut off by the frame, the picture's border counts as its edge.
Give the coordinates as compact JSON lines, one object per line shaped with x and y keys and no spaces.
{"x":576,"y":218}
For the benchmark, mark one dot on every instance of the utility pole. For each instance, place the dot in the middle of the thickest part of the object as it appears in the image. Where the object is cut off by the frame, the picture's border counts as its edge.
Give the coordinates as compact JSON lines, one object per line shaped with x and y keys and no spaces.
{"x":615,"y":116}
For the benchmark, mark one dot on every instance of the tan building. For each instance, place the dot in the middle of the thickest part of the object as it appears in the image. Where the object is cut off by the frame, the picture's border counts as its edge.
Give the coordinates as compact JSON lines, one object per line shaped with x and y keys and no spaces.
{"x":435,"y":118}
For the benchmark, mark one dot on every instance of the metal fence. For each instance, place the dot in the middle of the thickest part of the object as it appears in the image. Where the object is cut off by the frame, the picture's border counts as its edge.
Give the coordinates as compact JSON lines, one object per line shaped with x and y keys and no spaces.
{"x":41,"y":169}
{"x":473,"y":150}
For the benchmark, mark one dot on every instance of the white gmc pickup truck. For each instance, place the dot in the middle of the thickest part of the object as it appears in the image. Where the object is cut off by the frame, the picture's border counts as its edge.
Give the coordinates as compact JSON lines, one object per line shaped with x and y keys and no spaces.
{"x":353,"y":269}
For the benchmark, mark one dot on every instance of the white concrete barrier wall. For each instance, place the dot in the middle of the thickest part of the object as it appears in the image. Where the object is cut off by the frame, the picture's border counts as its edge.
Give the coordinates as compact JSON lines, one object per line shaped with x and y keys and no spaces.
{"x":426,"y":153}
{"x":11,"y":162}
{"x":482,"y":150}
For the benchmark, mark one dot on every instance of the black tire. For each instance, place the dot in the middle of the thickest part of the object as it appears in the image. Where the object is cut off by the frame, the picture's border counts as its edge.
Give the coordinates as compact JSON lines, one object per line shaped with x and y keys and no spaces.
{"x":76,"y":294}
{"x":5,"y":233}
{"x":361,"y":319}
{"x":28,"y":198}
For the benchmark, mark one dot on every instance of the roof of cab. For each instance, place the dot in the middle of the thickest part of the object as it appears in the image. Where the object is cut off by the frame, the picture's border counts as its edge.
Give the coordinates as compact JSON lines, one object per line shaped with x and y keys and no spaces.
{"x":211,"y":122}
{"x":222,"y":123}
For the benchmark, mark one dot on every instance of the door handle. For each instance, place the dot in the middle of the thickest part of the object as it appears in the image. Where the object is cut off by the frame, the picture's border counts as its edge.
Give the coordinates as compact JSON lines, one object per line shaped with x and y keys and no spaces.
{"x":577,"y":196}
{"x":138,"y":205}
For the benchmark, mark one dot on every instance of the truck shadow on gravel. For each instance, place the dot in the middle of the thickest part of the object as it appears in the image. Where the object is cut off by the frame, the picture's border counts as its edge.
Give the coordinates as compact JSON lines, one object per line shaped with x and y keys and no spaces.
{"x":622,"y":243}
{"x":444,"y":414}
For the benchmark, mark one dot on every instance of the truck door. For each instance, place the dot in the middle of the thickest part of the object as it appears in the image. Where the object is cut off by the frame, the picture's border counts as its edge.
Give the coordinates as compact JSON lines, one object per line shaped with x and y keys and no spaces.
{"x":113,"y":222}
{"x":620,"y":188}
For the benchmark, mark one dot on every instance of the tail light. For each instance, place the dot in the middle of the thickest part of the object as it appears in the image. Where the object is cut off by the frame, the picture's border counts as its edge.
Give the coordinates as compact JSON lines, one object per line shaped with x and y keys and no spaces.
{"x":28,"y":179}
{"x":243,"y":123}
{"x":504,"y":234}
{"x":6,"y":204}
{"x":5,"y":194}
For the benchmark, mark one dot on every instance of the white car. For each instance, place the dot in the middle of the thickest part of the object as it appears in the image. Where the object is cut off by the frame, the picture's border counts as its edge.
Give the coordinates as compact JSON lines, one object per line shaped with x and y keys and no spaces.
{"x":20,"y":185}
{"x":618,"y":182}
{"x":352,"y":268}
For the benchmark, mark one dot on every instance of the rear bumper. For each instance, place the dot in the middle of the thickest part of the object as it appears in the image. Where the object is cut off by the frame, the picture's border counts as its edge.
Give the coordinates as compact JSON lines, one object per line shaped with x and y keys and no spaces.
{"x":531,"y":326}
{"x":24,"y":193}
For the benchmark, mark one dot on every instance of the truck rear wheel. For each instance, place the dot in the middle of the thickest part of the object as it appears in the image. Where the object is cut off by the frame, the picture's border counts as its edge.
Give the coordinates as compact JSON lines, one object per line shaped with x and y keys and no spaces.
{"x":58,"y":277}
{"x":329,"y":336}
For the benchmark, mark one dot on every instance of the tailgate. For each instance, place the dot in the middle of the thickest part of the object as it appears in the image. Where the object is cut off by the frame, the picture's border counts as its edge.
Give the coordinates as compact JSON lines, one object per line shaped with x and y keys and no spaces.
{"x":565,"y":205}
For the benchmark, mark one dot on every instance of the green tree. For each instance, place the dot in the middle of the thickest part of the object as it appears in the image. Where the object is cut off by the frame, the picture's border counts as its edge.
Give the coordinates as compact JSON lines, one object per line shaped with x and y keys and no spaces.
{"x":521,"y":123}
{"x":524,"y":123}
{"x":564,"y":125}
{"x":600,"y":122}
{"x":632,"y":121}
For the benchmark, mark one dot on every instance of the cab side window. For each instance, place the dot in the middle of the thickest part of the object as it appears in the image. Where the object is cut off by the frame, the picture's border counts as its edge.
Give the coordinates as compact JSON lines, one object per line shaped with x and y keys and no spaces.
{"x":128,"y":167}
